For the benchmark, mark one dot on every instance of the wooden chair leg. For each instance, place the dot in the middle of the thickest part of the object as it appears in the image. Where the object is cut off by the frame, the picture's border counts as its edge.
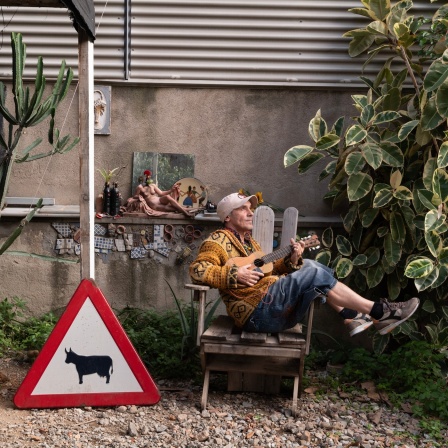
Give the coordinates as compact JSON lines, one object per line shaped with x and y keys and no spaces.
{"x":205,"y":389}
{"x":294,"y":395}
{"x":301,"y":368}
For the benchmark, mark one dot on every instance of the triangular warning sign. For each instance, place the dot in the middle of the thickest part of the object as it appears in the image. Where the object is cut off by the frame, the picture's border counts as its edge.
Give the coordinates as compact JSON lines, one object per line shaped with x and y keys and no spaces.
{"x":88,"y":360}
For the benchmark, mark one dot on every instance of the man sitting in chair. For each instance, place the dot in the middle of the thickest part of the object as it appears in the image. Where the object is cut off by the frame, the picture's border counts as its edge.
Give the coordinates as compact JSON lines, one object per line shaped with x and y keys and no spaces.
{"x":276,"y":302}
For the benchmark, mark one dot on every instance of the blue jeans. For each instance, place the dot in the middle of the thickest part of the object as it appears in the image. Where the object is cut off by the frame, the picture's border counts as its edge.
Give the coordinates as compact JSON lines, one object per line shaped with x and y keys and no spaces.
{"x":289,"y":298}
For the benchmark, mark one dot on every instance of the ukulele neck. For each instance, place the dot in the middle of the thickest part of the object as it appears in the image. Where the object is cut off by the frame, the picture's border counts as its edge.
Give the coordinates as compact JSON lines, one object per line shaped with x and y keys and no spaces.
{"x":276,"y":255}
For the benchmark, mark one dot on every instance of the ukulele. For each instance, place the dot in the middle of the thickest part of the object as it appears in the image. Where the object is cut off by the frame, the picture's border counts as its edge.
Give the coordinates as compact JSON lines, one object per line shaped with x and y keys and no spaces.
{"x":263,"y":262}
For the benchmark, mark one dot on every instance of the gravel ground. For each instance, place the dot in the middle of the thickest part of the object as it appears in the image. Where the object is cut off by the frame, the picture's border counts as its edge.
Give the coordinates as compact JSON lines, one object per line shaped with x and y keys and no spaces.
{"x":231,"y":420}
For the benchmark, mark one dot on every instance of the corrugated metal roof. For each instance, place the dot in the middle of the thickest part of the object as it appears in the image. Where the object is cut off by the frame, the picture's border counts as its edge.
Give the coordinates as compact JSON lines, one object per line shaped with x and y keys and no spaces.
{"x":247,"y":42}
{"x":83,"y":11}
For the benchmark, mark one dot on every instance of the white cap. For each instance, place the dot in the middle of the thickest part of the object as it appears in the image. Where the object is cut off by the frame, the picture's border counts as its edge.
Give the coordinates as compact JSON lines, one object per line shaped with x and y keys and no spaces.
{"x":229,"y":203}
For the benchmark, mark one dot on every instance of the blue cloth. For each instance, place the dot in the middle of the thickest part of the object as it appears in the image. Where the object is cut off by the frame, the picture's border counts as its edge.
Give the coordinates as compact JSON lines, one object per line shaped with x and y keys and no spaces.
{"x":289,"y":298}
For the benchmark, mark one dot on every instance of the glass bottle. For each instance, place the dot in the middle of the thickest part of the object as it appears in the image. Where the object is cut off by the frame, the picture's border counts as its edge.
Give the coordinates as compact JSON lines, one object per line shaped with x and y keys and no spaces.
{"x":113,"y":200}
{"x":117,"y":199}
{"x":106,"y":199}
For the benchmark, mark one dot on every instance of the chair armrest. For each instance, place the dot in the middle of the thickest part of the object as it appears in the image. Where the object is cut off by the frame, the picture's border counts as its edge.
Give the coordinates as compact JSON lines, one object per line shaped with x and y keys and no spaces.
{"x":200,"y":296}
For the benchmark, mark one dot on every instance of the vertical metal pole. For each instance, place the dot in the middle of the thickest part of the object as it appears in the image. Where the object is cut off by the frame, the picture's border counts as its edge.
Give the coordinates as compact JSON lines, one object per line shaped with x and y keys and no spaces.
{"x":86,"y":155}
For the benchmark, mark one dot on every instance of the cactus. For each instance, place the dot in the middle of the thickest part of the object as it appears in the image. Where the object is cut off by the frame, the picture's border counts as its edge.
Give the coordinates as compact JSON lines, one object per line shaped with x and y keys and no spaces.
{"x":30,"y":110}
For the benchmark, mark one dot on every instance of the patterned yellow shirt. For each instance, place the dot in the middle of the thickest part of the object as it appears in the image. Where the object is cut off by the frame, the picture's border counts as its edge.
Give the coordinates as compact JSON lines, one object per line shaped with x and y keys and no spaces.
{"x":210,"y":269}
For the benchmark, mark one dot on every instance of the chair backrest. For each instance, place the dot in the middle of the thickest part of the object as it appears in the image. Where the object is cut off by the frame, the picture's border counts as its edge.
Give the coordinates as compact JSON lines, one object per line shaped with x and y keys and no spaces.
{"x":264,"y":223}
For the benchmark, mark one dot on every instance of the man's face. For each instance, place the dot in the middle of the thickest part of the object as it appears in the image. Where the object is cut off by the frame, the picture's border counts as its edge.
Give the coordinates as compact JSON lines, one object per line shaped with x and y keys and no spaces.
{"x":241,"y":218}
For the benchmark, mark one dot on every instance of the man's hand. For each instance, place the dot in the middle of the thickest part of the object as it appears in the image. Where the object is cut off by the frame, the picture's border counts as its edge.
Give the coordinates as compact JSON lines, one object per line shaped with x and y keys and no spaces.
{"x":297,"y":248}
{"x":247,"y":277}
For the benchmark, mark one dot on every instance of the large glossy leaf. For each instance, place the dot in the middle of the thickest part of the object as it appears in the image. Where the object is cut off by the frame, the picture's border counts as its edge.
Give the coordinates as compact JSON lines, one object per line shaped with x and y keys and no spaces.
{"x":380,"y":8}
{"x":404,"y":36}
{"x":443,"y":257}
{"x":373,"y":154}
{"x":422,"y":137}
{"x":392,"y":155}
{"x":374,"y":275}
{"x":361,"y":41}
{"x":361,"y":101}
{"x":426,"y":281}
{"x":419,"y":222}
{"x":358,"y":185}
{"x":419,"y":267}
{"x":397,"y":227}
{"x":366,"y":114}
{"x":406,"y":129}
{"x":433,"y":221}
{"x":393,"y":286}
{"x":357,"y":234}
{"x":327,"y":141}
{"x":403,"y":194}
{"x":430,"y":116}
{"x":324,"y":257}
{"x":354,"y":163}
{"x":354,"y":135}
{"x":359,"y":260}
{"x":392,"y":250}
{"x":392,"y":100}
{"x":317,"y":127}
{"x":344,"y":246}
{"x":386,"y":117}
{"x":363,"y":12}
{"x":443,"y":275}
{"x":395,"y":179}
{"x":329,"y":169}
{"x":442,"y":158}
{"x":369,"y":216}
{"x":428,"y":172}
{"x":435,"y":76}
{"x":383,"y":197}
{"x":343,"y":268}
{"x":308,"y":161}
{"x":434,"y":242}
{"x":442,"y":99}
{"x":440,"y":184}
{"x":350,"y":217}
{"x":338,"y":126}
{"x":425,"y":198}
{"x":373,"y":256}
{"x":327,"y":237}
{"x":398,"y":13}
{"x":296,"y":153}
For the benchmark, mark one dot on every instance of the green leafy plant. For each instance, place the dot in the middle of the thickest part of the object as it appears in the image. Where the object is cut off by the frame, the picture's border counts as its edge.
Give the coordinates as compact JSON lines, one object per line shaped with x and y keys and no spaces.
{"x":30,"y":109}
{"x":158,"y":339}
{"x":415,"y":373}
{"x":20,"y":333}
{"x":388,"y":167}
{"x":190,"y":324}
{"x":107,"y":175}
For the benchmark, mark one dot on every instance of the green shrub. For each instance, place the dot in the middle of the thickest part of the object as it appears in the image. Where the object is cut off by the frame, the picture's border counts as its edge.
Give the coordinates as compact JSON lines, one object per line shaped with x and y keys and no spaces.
{"x":18,"y":333}
{"x":158,"y":339}
{"x":414,"y":373}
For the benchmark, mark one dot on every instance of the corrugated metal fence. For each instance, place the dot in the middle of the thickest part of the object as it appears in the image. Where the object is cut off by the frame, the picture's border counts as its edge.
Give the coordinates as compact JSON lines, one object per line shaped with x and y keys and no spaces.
{"x":200,"y":42}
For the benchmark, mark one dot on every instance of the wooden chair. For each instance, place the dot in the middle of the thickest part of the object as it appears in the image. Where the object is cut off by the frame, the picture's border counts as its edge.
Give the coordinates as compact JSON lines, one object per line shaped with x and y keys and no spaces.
{"x":254,"y":362}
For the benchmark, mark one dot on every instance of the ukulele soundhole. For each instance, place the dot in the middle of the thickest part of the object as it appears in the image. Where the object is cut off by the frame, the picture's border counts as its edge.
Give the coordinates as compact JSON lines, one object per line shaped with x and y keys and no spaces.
{"x":259,"y":263}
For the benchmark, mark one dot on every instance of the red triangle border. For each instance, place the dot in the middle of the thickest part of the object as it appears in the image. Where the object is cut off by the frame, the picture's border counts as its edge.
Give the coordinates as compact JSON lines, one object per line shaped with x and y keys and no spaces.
{"x":87,"y":289}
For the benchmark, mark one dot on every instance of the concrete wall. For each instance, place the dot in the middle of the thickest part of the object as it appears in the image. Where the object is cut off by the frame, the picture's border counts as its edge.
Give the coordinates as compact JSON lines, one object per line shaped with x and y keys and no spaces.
{"x":239,"y":137}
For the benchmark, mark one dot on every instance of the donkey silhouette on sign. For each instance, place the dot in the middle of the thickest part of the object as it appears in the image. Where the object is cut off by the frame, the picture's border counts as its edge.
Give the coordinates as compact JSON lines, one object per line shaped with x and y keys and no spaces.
{"x":86,"y":365}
